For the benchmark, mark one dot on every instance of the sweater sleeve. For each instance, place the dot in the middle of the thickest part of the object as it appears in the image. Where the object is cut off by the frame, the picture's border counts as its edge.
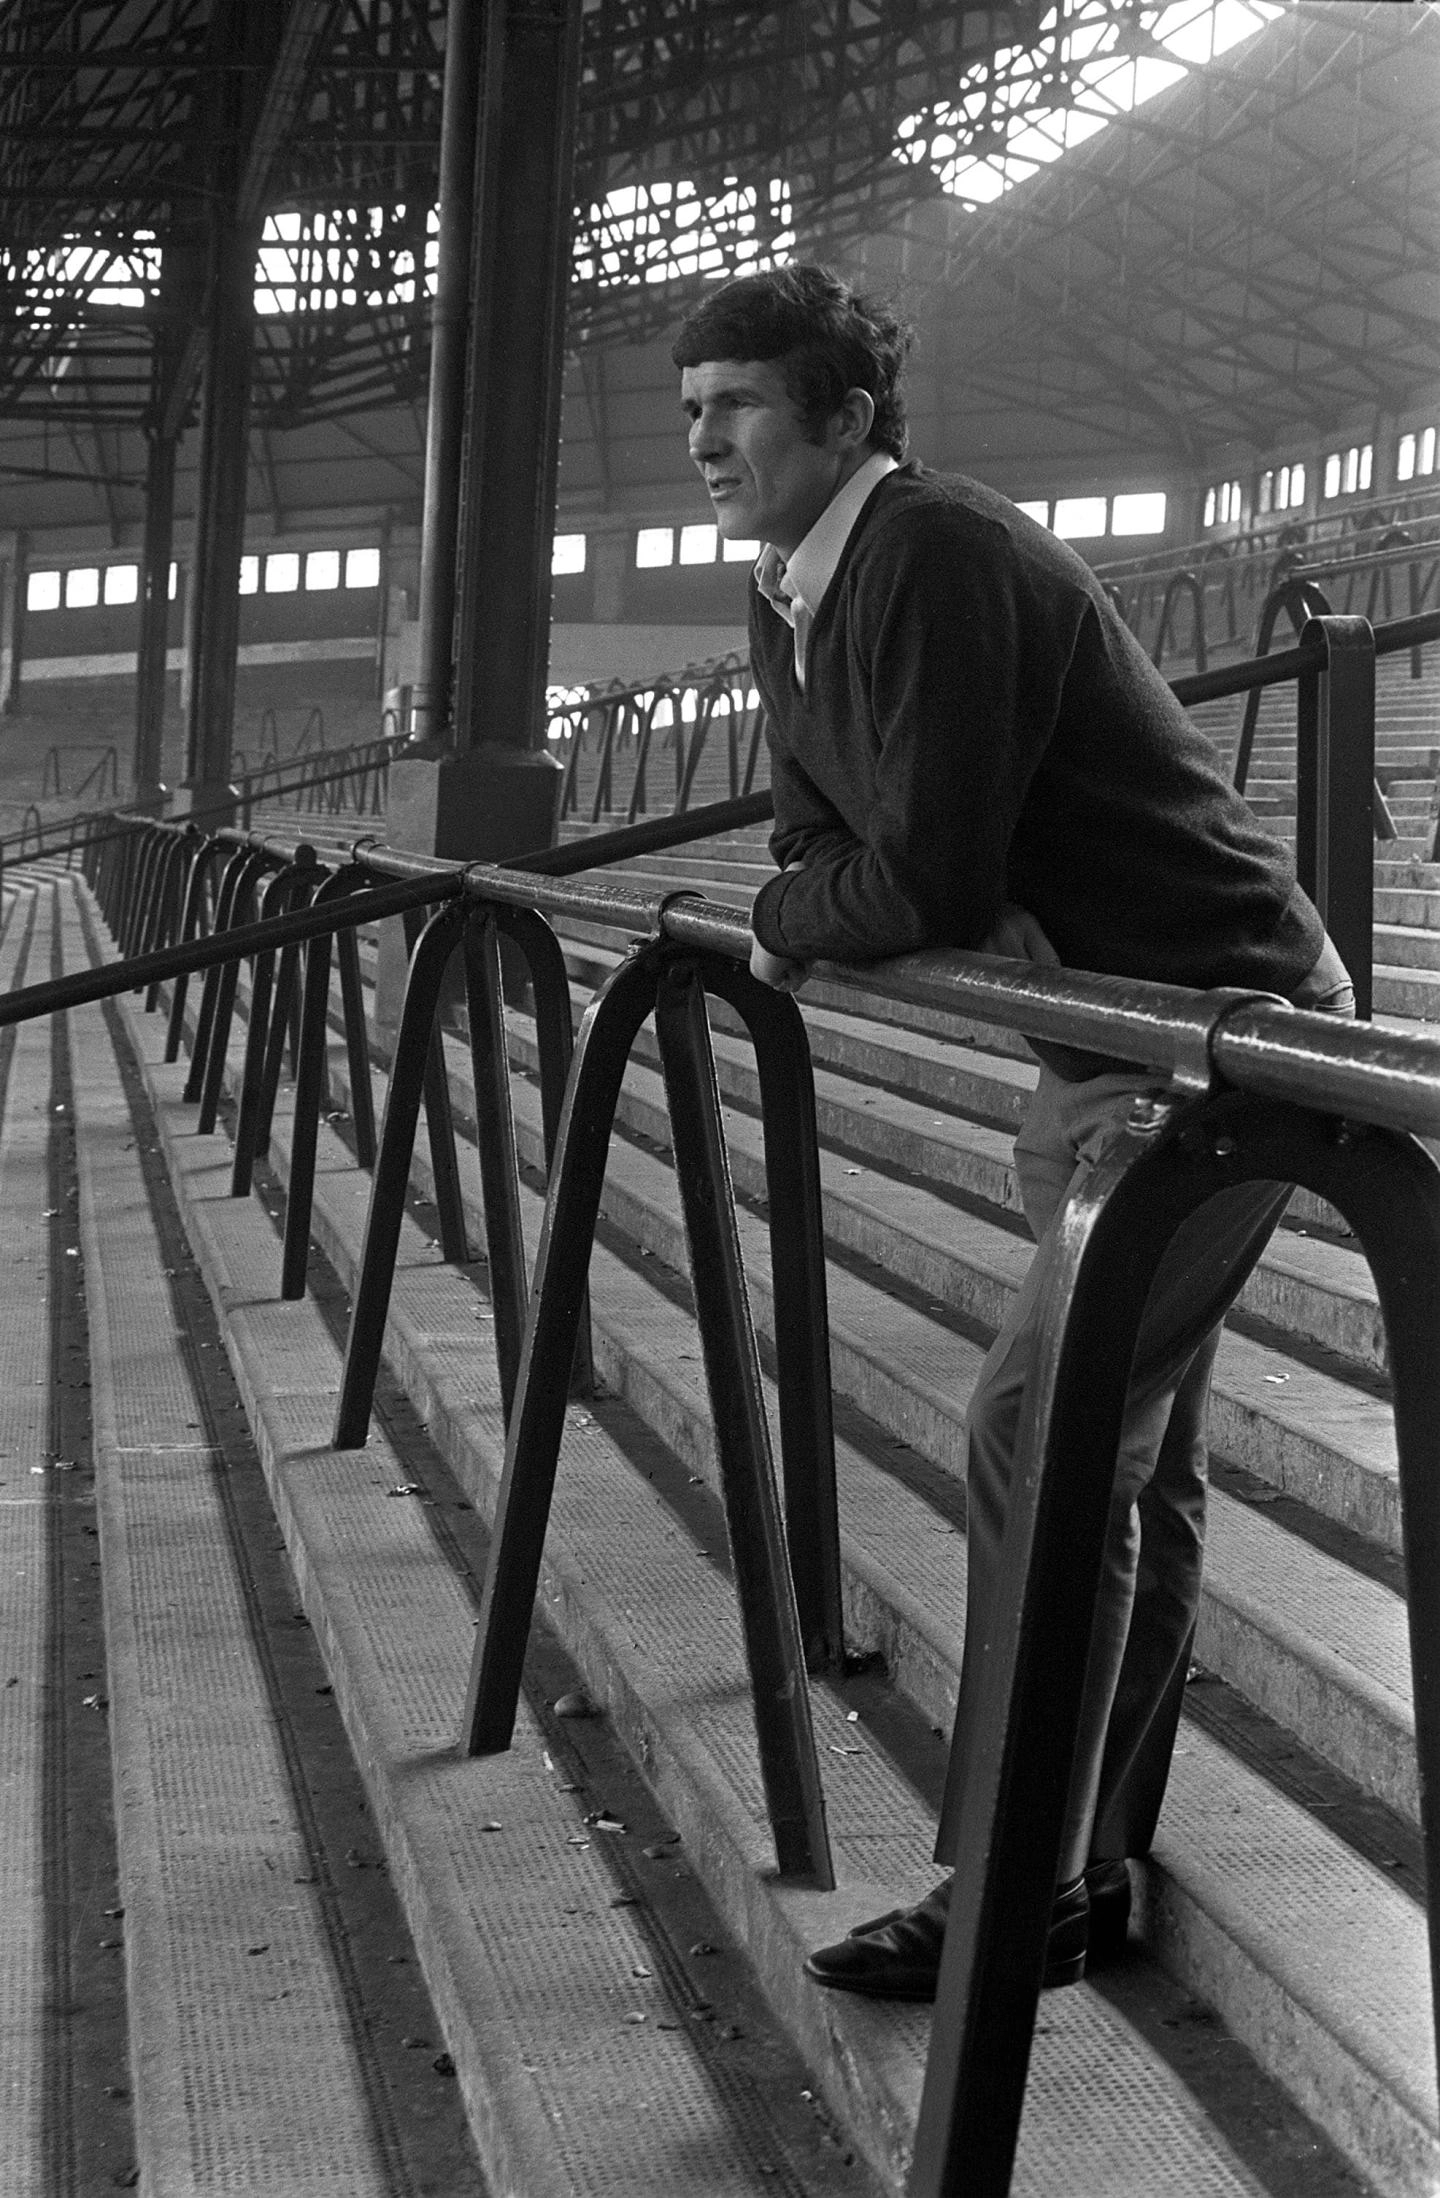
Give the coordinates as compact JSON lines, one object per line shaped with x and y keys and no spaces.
{"x":808,"y":828}
{"x":956,"y":674}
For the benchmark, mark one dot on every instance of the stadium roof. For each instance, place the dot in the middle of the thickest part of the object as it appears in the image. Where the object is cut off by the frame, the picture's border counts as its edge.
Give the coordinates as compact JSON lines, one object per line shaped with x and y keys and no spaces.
{"x":1250,"y":249}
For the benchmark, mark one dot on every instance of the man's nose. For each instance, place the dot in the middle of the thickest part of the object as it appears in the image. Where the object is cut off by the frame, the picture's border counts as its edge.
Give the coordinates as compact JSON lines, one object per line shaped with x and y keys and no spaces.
{"x":706,"y":440}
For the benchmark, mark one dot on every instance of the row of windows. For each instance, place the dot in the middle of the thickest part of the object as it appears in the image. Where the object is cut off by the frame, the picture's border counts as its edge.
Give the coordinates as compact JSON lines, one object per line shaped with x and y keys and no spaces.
{"x":83,"y":586}
{"x":1074,"y":518}
{"x":281,"y":571}
{"x":1349,"y":472}
{"x":1084,"y":518}
{"x":1280,"y":488}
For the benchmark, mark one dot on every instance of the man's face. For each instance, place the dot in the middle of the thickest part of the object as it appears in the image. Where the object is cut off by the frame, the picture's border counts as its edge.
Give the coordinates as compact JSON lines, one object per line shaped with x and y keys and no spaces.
{"x":767,"y":481}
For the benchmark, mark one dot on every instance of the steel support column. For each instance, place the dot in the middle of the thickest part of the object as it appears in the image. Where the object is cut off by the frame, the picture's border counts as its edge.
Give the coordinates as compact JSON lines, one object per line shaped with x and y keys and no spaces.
{"x":431,"y":725}
{"x":154,"y":617}
{"x":520,"y":277}
{"x":213,"y":633}
{"x":13,"y":585}
{"x":491,"y":789}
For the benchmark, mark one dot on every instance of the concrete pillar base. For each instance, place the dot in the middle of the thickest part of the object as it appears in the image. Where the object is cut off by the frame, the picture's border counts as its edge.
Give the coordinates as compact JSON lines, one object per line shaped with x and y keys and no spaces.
{"x":482,"y":806}
{"x":212,"y":805}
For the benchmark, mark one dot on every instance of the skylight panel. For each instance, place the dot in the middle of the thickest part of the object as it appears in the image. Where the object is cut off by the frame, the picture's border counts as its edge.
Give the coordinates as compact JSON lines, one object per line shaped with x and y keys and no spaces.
{"x":1093,"y":61}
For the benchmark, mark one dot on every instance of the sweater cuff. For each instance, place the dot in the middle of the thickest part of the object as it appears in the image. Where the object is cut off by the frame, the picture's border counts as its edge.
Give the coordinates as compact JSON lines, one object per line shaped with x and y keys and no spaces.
{"x":765,"y":914}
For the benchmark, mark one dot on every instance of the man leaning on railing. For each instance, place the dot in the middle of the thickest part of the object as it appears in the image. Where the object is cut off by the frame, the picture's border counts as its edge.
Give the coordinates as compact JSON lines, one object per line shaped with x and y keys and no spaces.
{"x":969,"y":749}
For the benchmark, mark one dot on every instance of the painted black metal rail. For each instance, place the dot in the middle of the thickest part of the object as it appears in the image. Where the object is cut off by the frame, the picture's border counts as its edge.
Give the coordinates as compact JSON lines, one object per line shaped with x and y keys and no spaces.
{"x":1245,"y":1088}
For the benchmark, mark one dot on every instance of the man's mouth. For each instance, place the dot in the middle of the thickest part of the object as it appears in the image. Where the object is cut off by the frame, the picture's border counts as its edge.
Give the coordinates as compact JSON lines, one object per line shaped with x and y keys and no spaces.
{"x":721,"y":485}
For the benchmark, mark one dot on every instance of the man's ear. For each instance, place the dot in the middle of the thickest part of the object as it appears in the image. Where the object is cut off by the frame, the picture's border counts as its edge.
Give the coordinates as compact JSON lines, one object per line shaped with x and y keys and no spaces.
{"x":855,"y":419}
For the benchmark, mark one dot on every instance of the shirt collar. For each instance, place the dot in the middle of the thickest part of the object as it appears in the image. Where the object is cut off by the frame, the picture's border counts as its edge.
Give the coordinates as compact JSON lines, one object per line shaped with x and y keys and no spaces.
{"x":808,"y":572}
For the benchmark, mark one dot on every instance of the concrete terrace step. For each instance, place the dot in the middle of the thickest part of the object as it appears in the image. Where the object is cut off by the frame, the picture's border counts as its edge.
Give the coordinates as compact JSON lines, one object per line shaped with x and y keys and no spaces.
{"x":1412,"y":993}
{"x":184,"y":2005}
{"x":1408,"y":946}
{"x":1246,"y":1628}
{"x":260,"y":2048}
{"x":609,"y":1536}
{"x":260,"y":2056}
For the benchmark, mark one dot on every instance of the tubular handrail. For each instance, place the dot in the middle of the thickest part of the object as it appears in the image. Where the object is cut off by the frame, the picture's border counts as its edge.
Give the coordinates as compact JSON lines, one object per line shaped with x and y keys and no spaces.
{"x":1389,"y":1077}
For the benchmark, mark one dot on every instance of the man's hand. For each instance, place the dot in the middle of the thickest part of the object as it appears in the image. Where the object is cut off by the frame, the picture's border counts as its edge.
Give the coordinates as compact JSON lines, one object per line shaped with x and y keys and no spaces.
{"x":774,"y":970}
{"x":1016,"y":933}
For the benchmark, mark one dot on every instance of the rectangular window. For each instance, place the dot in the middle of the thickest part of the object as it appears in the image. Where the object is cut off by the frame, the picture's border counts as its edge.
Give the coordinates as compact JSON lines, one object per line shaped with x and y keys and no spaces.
{"x":655,"y":546}
{"x":1405,"y":458}
{"x":1332,"y":473}
{"x":1297,"y":486}
{"x":1282,"y":490}
{"x":1079,"y":518}
{"x":1141,"y":513}
{"x":1352,"y":470}
{"x":697,"y":545}
{"x":322,"y":570}
{"x":739,"y":553}
{"x":1209,"y":518}
{"x":174,"y":587}
{"x":282,"y":572}
{"x":1426,"y":462}
{"x":122,"y":583}
{"x":1265,"y":493}
{"x":42,"y":591}
{"x":82,"y":587}
{"x":362,"y":568}
{"x":1367,"y":465}
{"x":567,"y":553}
{"x":249,"y":576}
{"x":1038,"y":510}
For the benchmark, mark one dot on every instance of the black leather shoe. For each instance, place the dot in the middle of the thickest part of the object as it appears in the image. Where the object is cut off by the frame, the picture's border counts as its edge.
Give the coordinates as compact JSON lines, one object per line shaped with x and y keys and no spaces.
{"x":897,"y":1956}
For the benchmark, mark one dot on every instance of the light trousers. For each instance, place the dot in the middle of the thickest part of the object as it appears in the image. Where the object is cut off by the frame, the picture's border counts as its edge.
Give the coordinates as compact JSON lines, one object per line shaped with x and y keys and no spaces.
{"x":1154,"y":1549}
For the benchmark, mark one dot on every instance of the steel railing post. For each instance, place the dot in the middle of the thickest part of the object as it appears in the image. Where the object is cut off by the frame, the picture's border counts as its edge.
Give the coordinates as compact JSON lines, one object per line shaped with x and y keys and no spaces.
{"x":357,"y":1046}
{"x":236,"y":869}
{"x":310,"y":1089}
{"x":557,"y":1294}
{"x":769,"y":1619}
{"x":167,"y":907}
{"x":802,"y":1321}
{"x":1016,"y":1730}
{"x":409,"y":1082}
{"x":555,"y":1044}
{"x":192,"y":920}
{"x":440,"y":1128}
{"x":280,"y":895}
{"x":212,"y":1078}
{"x":285,"y":1012}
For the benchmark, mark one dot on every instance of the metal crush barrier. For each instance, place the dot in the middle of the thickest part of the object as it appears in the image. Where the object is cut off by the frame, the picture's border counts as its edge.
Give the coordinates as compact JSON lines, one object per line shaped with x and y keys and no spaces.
{"x":1246,"y":1088}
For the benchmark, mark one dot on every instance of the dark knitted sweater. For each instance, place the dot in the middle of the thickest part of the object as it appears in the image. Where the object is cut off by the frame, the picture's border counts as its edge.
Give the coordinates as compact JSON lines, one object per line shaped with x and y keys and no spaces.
{"x":979,"y":726}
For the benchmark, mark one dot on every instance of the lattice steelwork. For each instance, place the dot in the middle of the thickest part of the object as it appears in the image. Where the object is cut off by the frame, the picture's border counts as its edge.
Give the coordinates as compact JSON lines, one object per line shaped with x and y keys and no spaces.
{"x":716,"y":137}
{"x":1089,"y":63}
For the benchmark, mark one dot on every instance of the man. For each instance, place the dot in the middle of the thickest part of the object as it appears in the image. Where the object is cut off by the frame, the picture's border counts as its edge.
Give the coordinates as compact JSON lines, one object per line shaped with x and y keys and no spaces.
{"x":969,"y":749}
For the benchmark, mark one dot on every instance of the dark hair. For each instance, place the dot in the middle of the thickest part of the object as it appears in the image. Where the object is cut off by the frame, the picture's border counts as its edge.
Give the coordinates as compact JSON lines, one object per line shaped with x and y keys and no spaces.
{"x":827,"y":338}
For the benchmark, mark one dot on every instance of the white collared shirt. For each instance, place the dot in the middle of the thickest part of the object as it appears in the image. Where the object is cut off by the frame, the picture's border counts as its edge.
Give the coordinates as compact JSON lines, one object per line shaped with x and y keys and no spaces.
{"x":795,"y":588}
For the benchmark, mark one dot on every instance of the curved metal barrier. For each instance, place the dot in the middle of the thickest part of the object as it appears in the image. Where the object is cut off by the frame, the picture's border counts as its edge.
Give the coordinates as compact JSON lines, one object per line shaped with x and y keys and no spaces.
{"x":1246,"y":1087}
{"x":627,"y":717}
{"x":1182,"y":583}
